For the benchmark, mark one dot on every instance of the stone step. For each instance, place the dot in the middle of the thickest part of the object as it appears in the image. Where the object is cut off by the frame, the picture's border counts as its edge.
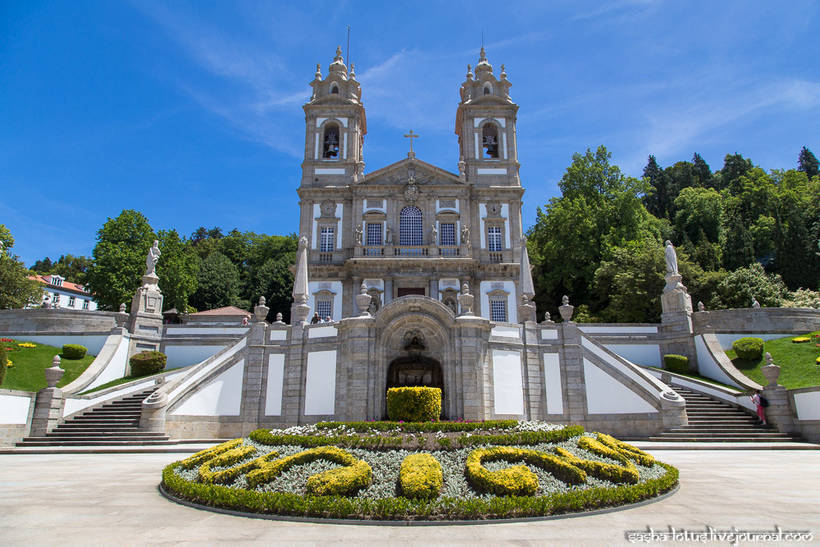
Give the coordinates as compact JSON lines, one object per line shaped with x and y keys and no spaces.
{"x":719,"y":439}
{"x":103,"y":434}
{"x":108,"y":442}
{"x":719,"y":428}
{"x":97,"y":429}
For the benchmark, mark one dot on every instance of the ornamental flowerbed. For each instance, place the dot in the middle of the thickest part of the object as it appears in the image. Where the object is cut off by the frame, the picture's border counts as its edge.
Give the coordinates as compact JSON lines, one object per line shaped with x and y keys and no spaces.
{"x":498,"y":470}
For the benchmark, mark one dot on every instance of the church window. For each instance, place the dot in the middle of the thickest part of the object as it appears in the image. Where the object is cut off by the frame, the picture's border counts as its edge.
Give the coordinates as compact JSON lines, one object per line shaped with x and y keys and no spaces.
{"x":498,"y":309}
{"x":494,"y":241}
{"x":489,"y":140}
{"x":447,"y":233}
{"x":327,"y":239}
{"x":410,"y":226}
{"x":324,"y":307}
{"x":374,"y":234}
{"x":330,"y":149}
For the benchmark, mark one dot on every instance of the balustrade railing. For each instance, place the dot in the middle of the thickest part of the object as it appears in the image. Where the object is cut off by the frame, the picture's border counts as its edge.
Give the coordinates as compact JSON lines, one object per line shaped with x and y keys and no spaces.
{"x":415,"y":250}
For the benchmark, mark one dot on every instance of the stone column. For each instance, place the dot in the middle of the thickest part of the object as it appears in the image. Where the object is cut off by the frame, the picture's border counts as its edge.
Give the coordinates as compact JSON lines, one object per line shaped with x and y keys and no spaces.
{"x":472,"y":335}
{"x":353,"y":386}
{"x":532,"y":367}
{"x":677,"y":333}
{"x":572,"y":364}
{"x":779,"y":413}
{"x":253,"y":404}
{"x":388,"y":290}
{"x":49,"y":403}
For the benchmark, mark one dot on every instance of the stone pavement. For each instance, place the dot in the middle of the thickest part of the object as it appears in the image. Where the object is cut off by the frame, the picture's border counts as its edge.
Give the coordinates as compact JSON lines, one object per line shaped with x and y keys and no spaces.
{"x":112,"y":499}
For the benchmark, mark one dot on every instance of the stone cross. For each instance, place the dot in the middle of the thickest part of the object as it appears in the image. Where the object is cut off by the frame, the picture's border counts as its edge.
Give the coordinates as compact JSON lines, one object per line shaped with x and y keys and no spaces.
{"x":411,"y":136}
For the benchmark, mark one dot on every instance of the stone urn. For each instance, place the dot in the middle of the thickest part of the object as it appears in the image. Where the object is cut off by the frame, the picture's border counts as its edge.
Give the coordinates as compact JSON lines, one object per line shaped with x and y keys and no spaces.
{"x":54,"y":373}
{"x":363,"y":301}
{"x":565,"y":309}
{"x":465,"y":300}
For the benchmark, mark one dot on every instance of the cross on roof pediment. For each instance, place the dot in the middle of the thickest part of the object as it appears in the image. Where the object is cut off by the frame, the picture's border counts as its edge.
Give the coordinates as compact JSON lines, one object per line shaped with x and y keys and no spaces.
{"x":399,"y":173}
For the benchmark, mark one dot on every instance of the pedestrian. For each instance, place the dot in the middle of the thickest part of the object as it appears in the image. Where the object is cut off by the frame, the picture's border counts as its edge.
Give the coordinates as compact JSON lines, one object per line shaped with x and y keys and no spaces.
{"x":315,"y":318}
{"x":759,"y":402}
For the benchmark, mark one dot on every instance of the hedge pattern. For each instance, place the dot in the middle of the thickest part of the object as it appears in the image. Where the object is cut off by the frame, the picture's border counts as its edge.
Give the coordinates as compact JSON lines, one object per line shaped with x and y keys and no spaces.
{"x":414,"y":404}
{"x":517,"y":480}
{"x":420,"y":476}
{"x":420,"y":427}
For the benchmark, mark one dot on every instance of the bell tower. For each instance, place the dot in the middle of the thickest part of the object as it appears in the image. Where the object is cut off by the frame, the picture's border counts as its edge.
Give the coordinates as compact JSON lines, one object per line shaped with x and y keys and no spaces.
{"x":485,"y":125}
{"x":335,"y":126}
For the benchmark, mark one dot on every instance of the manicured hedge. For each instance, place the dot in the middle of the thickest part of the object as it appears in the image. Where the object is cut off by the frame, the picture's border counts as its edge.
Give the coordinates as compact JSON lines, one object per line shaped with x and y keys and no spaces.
{"x":517,"y":480}
{"x":676,"y":363}
{"x":524,"y":437}
{"x":73,"y":351}
{"x":264,"y":436}
{"x":420,"y":427}
{"x":147,"y":362}
{"x":749,"y":348}
{"x":420,"y":476}
{"x":414,"y":404}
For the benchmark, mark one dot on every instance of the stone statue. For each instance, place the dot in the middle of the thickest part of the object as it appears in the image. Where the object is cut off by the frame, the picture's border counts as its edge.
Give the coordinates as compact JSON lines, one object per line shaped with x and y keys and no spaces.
{"x":434,"y":235}
{"x":671,"y":259}
{"x":388,"y":237}
{"x":755,"y":303}
{"x":152,"y":258}
{"x":465,"y":235}
{"x":701,"y":307}
{"x":359,"y":233}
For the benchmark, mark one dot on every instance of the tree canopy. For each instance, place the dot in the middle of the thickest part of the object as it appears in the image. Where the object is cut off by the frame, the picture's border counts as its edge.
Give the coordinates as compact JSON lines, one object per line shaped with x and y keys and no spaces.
{"x":16,"y":289}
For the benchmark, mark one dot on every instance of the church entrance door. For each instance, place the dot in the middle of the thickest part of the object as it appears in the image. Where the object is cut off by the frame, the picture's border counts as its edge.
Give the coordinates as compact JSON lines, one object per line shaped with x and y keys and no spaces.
{"x":406,"y":291}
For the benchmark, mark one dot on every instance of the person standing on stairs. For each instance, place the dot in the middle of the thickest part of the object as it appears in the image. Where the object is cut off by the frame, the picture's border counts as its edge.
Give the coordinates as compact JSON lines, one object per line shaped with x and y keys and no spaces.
{"x":758,"y":400}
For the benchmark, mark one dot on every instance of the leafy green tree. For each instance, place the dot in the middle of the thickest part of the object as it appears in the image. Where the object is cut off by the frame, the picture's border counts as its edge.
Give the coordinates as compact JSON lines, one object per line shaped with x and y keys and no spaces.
{"x":656,"y":199}
{"x":702,"y":171}
{"x":698,"y":213}
{"x":177,"y":270}
{"x":734,"y":167}
{"x":16,"y":289}
{"x":70,"y":267}
{"x":218,"y":283}
{"x":632,"y":280}
{"x":797,"y":230}
{"x":738,"y":288}
{"x":119,"y":259}
{"x":807,"y":163}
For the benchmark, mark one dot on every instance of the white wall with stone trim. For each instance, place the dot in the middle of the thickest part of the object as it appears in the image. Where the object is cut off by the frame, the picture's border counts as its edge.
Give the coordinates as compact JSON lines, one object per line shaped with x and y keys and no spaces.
{"x":320,"y":383}
{"x":807,"y":405}
{"x":606,"y":395}
{"x":334,"y":287}
{"x":273,"y":390}
{"x":554,"y":388}
{"x":14,"y":409}
{"x":508,"y":386}
{"x":220,"y":397}
{"x":486,"y":287}
{"x":186,"y":355}
{"x":640,"y":354}
{"x":708,"y":366}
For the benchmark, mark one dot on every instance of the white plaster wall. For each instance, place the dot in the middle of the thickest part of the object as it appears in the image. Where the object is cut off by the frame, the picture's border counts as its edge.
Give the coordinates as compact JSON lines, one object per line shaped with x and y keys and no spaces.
{"x":116,"y":366}
{"x":807,"y":405}
{"x":317,"y":212}
{"x":14,"y":409}
{"x":486,"y":287}
{"x":482,"y":212}
{"x":505,"y":214}
{"x":590,"y":329}
{"x":707,"y":366}
{"x":640,"y":354}
{"x":506,"y":332}
{"x":221,"y":397}
{"x":273,"y":392}
{"x":552,"y":382}
{"x":199,"y":372}
{"x":606,"y":395}
{"x":278,"y":335}
{"x":340,"y":214}
{"x":93,"y":343}
{"x":726,"y":340}
{"x":549,"y":334}
{"x":508,"y":387}
{"x":320,"y":383}
{"x":213,"y":331}
{"x":335,"y":288}
{"x":183,"y":356}
{"x":321,"y":332}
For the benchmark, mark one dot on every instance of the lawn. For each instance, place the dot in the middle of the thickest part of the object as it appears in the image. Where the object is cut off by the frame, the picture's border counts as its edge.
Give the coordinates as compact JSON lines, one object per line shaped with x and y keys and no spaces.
{"x":27,"y":372}
{"x":797,"y":362}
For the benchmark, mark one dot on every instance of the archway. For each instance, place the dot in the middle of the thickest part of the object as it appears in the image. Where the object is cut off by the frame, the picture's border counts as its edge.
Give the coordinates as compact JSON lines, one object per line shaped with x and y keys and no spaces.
{"x":416,"y":370}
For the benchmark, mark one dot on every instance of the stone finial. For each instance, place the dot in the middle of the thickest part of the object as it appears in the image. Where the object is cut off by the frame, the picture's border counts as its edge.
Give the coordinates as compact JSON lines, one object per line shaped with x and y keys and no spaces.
{"x":279,"y":317}
{"x":262,"y":301}
{"x":503,"y":72}
{"x":54,"y":373}
{"x":122,"y":308}
{"x":352,"y":71}
{"x":770,"y":371}
{"x":260,"y":311}
{"x":701,"y":307}
{"x":465,"y":300}
{"x":338,"y":54}
{"x":565,"y":309}
{"x":469,"y":72}
{"x":547,"y":317}
{"x":482,"y":55}
{"x":300,"y":309}
{"x":363,"y":301}
{"x":755,"y":303}
{"x":318,"y":74}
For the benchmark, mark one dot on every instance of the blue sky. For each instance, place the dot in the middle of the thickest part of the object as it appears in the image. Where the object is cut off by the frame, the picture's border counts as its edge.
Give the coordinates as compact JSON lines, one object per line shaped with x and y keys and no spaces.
{"x":190,"y":112}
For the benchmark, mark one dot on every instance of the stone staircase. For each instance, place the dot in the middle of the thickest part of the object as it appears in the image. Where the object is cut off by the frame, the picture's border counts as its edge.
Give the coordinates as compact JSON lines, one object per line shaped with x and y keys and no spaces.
{"x":116,"y":423}
{"x":712,"y":420}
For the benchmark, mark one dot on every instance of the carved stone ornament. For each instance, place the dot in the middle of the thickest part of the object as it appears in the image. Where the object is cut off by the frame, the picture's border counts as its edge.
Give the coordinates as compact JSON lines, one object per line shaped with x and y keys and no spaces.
{"x":414,"y":341}
{"x":411,"y":192}
{"x":328,"y":208}
{"x":493,"y":209}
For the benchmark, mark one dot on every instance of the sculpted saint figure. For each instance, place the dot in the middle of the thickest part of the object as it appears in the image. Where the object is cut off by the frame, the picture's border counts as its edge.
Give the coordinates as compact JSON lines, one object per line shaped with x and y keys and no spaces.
{"x":671,"y":259}
{"x":465,"y":235}
{"x":434,"y":235}
{"x":359,"y":233}
{"x":152,"y":258}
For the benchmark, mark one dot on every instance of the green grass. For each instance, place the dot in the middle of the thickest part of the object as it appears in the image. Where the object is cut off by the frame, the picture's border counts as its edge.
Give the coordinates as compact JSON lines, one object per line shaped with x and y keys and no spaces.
{"x":28,"y":374}
{"x":698,"y":377}
{"x":119,"y":381}
{"x":798,"y":367}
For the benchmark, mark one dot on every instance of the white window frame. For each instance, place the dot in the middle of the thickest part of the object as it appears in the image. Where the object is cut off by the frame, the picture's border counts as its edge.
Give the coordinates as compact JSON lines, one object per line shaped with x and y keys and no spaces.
{"x":327,"y":238}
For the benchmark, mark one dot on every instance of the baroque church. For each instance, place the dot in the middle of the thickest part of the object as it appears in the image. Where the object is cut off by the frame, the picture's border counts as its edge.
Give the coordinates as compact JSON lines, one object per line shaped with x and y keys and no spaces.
{"x":412,"y":228}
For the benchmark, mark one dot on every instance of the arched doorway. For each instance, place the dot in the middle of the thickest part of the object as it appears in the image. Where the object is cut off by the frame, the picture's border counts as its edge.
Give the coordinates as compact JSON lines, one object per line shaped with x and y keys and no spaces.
{"x":416,"y":370}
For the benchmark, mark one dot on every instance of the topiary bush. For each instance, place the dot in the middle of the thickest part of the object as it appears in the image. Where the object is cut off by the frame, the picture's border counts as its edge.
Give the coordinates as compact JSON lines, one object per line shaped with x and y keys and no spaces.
{"x":749,"y":348}
{"x":414,"y":404}
{"x":676,"y":363}
{"x":74,"y":351}
{"x":147,"y":362}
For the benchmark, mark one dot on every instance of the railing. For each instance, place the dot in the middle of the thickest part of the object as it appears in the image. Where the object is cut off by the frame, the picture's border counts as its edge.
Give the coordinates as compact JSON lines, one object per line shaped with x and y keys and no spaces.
{"x":496,"y":257}
{"x":410,"y":251}
{"x":325,"y":257}
{"x":374,"y":251}
{"x":448,"y":251}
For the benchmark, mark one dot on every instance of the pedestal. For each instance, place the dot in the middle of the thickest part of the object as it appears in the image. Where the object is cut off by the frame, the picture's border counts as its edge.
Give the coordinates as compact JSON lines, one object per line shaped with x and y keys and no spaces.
{"x":145,"y":321}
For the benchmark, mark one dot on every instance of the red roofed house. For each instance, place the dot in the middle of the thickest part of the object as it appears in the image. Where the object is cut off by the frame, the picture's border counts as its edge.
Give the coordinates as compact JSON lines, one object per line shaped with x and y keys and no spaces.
{"x":60,"y":293}
{"x":229,"y":315}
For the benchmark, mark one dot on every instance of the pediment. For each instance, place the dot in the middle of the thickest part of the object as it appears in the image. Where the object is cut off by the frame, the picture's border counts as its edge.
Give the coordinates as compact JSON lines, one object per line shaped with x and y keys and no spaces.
{"x":401,"y":173}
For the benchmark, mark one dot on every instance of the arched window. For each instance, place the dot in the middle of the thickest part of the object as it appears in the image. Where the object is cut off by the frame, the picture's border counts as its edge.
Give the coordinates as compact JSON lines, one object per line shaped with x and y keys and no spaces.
{"x":330,"y":148}
{"x":489,"y":140}
{"x":410,"y":226}
{"x":334,"y":89}
{"x":488,"y":89}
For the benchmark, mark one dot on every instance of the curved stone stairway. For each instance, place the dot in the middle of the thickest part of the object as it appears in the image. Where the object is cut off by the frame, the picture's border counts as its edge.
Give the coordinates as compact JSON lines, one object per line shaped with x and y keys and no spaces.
{"x":116,"y":423}
{"x":712,"y":420}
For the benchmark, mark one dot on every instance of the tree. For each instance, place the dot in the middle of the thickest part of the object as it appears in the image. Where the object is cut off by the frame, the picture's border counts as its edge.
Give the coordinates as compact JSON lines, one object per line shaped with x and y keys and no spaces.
{"x":698,"y":211}
{"x":119,"y":259}
{"x":702,"y":171}
{"x":632,"y":280}
{"x":177,"y":270}
{"x":16,"y":289}
{"x":739,"y":287}
{"x":734,"y":167}
{"x":807,"y":163}
{"x":218,"y":283}
{"x":656,"y":198}
{"x":72,"y":268}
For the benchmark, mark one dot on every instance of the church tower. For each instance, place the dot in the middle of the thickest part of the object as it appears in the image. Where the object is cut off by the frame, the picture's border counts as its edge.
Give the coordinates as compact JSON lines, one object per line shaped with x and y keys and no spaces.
{"x":335,"y":127}
{"x":485,"y":125}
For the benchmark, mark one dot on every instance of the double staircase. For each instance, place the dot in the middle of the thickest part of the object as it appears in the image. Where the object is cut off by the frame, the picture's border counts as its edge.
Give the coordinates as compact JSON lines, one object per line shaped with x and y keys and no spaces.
{"x":116,"y":423}
{"x":712,"y":420}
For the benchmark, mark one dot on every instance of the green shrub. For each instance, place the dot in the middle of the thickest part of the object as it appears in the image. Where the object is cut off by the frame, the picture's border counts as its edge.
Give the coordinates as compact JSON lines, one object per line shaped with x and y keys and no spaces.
{"x":414,"y":404}
{"x":676,"y":363}
{"x":749,"y":348}
{"x":147,"y":362}
{"x":74,"y":351}
{"x":420,"y":476}
{"x":355,"y":475}
{"x":517,"y":480}
{"x":420,"y":427}
{"x":3,"y":361}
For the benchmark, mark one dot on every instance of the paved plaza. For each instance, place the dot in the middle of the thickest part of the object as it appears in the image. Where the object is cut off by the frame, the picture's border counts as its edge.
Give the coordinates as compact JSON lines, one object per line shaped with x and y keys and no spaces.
{"x":112,"y":499}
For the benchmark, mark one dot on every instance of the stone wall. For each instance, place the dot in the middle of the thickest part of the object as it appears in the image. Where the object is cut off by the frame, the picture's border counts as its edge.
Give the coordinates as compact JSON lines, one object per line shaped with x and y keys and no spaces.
{"x":760,"y":320}
{"x":55,"y":321}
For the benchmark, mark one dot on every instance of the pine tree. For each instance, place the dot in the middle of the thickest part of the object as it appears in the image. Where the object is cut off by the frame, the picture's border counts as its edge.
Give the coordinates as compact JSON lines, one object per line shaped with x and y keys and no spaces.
{"x":657,"y":200}
{"x":807,"y":162}
{"x":702,"y":170}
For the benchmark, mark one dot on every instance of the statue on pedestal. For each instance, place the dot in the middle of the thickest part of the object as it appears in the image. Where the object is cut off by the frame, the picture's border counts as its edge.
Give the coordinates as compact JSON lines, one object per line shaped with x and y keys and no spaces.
{"x":152,"y":259}
{"x":671,"y":259}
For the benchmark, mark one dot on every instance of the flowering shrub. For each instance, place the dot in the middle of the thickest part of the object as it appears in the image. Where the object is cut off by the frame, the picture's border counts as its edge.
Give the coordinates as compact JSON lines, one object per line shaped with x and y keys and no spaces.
{"x":420,"y":476}
{"x":414,"y":404}
{"x":27,"y":345}
{"x":800,"y":339}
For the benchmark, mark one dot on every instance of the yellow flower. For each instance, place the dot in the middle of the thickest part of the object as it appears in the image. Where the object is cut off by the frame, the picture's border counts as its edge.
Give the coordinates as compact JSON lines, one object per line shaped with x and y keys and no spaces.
{"x":800,"y":339}
{"x":9,"y":363}
{"x":27,"y":345}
